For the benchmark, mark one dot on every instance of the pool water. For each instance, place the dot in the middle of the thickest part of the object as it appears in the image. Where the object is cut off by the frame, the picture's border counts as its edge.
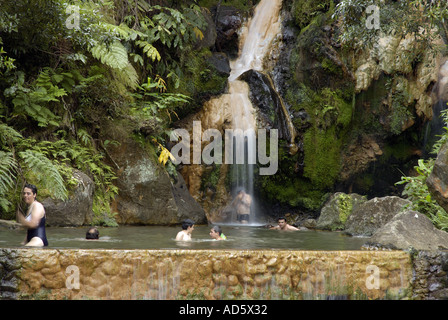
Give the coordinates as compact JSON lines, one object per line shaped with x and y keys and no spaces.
{"x":163,"y":237}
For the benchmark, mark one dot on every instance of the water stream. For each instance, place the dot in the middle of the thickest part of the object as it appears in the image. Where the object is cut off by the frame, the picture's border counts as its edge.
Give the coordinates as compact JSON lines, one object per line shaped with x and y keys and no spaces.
{"x":234,"y":109}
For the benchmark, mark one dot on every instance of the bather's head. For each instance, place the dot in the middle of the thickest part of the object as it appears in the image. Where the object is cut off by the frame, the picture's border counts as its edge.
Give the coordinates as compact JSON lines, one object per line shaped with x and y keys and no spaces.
{"x":187,"y":223}
{"x":92,"y":234}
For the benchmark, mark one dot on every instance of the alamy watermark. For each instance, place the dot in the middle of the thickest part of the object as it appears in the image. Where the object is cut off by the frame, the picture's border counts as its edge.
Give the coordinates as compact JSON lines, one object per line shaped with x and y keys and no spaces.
{"x":72,"y":22}
{"x":241,"y":147}
{"x":373,"y":278}
{"x":72,"y":281}
{"x":373,"y":20}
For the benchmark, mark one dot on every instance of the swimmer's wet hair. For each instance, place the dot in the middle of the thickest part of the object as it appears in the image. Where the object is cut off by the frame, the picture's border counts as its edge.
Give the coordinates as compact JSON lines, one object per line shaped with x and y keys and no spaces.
{"x":187,"y":223}
{"x":92,"y":233}
{"x":217,"y":229}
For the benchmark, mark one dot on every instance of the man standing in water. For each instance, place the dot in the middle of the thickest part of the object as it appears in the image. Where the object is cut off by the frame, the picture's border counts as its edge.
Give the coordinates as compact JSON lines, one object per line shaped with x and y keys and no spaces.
{"x":243,"y":203}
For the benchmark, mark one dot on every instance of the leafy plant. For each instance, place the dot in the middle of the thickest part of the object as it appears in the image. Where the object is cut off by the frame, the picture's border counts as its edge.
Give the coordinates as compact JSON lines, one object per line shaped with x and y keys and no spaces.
{"x":416,"y":189}
{"x":421,"y":19}
{"x":47,"y":173}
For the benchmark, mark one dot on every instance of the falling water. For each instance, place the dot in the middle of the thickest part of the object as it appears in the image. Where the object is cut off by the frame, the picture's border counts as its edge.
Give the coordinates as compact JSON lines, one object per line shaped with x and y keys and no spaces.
{"x":256,"y":38}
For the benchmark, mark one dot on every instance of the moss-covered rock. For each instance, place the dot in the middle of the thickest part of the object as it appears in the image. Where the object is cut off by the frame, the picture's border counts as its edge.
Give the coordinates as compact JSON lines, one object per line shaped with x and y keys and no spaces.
{"x":337,"y":209}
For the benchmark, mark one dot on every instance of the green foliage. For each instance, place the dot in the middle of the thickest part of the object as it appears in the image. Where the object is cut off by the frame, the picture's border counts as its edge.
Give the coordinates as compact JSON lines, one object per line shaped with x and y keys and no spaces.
{"x":152,"y":101}
{"x":416,"y":189}
{"x":6,"y":63}
{"x":417,"y":192}
{"x":305,"y":11}
{"x":418,"y":18}
{"x":8,"y":168}
{"x":59,"y":84}
{"x":345,"y":205}
{"x":47,"y":173}
{"x":114,"y":55}
{"x":330,"y":120}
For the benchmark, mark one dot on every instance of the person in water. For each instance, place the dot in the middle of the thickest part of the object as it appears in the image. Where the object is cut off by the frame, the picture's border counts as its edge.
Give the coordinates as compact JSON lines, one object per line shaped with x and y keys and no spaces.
{"x":34,"y":220}
{"x":187,"y":229}
{"x":282,"y":225}
{"x":242,"y":202}
{"x":216,"y":233}
{"x":92,"y":234}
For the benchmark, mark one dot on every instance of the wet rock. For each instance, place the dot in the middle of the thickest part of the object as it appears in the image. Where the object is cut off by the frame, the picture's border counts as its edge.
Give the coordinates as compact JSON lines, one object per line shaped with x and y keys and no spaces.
{"x":228,"y":21}
{"x":221,"y":62}
{"x":358,"y":156}
{"x":77,"y":209}
{"x":268,"y":103}
{"x":410,"y":229}
{"x":338,"y":208}
{"x":373,"y":214}
{"x":310,"y":224}
{"x":9,"y":269}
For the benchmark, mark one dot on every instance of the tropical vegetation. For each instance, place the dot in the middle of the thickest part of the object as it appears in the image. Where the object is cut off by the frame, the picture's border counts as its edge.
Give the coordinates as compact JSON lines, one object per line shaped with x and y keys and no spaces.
{"x":65,"y":65}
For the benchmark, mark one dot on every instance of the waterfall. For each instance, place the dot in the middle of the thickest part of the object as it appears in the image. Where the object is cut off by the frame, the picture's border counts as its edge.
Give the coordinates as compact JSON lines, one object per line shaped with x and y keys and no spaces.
{"x":234,"y":110}
{"x":256,"y":37}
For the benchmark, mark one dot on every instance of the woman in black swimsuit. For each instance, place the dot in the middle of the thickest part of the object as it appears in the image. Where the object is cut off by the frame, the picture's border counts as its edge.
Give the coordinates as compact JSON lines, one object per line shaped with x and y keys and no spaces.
{"x":34,"y":220}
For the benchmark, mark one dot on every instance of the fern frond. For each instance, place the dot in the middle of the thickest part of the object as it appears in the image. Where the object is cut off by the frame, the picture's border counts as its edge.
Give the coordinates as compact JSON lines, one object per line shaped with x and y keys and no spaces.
{"x":122,"y":31}
{"x":128,"y":76}
{"x":8,"y":133}
{"x":46,"y":172}
{"x":85,"y":138}
{"x":150,"y":51}
{"x":115,"y":56}
{"x":8,"y":167}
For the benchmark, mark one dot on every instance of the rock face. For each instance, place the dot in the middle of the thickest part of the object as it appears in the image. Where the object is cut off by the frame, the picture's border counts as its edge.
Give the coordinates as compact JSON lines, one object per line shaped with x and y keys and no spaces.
{"x":410,"y":229}
{"x":267,"y":103}
{"x":437,"y":181}
{"x":228,"y":21}
{"x":382,"y":59}
{"x":147,"y":194}
{"x":338,"y":208}
{"x":75,"y":211}
{"x":373,"y":214}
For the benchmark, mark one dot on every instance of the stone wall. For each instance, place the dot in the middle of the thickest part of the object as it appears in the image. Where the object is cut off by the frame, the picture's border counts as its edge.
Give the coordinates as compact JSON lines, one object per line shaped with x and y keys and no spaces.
{"x":430,"y":280}
{"x":203,"y":274}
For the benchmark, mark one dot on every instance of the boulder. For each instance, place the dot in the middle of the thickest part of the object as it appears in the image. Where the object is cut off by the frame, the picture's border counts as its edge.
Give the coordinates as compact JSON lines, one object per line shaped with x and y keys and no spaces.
{"x":209,"y":34}
{"x":409,"y":229}
{"x":77,"y":209}
{"x":220,"y":61}
{"x":10,"y":224}
{"x":373,"y":214}
{"x":337,"y":209}
{"x":437,"y":181}
{"x":187,"y":207}
{"x":147,"y":194}
{"x":228,"y":21}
